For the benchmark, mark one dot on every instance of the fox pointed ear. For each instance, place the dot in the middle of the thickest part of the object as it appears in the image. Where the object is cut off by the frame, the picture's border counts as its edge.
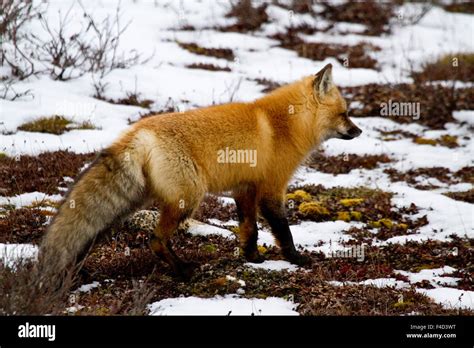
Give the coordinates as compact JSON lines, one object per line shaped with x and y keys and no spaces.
{"x":323,"y":81}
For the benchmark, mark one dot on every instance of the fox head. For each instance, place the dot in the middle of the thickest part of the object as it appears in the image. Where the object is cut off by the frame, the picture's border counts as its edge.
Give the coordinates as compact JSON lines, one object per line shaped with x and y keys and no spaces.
{"x":331,"y":108}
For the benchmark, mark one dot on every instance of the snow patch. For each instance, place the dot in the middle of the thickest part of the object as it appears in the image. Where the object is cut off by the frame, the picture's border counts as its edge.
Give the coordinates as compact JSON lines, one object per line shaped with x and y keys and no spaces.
{"x":222,"y":305}
{"x":11,"y":254}
{"x":273,"y":265}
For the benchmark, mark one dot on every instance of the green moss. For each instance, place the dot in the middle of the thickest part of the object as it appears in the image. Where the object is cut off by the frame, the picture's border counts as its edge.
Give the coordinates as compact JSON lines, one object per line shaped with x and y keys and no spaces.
{"x":209,"y":248}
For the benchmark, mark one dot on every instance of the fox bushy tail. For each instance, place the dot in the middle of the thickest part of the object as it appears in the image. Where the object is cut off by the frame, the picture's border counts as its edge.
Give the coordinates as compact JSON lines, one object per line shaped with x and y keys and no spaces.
{"x":110,"y":188}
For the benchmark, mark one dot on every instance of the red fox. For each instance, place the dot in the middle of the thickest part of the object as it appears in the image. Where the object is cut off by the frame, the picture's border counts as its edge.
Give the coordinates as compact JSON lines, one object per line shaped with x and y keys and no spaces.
{"x":251,"y":149}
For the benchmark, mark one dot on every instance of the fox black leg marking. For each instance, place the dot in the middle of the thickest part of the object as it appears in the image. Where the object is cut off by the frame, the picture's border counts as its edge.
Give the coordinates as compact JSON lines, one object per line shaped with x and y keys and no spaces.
{"x":273,"y":211}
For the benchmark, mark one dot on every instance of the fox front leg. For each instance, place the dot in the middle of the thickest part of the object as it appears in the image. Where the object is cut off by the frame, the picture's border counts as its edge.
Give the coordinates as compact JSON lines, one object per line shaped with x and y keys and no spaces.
{"x":245,"y":199}
{"x":273,"y":210}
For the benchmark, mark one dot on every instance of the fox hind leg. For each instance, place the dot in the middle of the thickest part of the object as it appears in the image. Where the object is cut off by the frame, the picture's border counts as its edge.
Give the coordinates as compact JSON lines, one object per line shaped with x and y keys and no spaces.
{"x":171,"y":216}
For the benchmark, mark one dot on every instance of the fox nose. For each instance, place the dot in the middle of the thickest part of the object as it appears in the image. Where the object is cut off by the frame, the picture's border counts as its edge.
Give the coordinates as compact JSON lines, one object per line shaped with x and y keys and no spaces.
{"x":354,"y":132}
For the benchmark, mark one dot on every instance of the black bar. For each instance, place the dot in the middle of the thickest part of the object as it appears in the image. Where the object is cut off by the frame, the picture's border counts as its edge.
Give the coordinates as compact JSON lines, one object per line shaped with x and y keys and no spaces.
{"x":290,"y":331}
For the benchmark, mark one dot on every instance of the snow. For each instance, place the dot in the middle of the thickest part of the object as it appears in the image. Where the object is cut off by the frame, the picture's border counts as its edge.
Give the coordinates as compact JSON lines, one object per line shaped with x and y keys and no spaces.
{"x":222,"y":305}
{"x":450,"y":298}
{"x":437,"y":33}
{"x":309,"y":234}
{"x":88,"y":287}
{"x":379,"y":283}
{"x":434,"y":276}
{"x":408,"y":154}
{"x":446,"y":216}
{"x":11,"y":254}
{"x":200,"y":229}
{"x":231,"y":223}
{"x":233,"y":279}
{"x":74,"y":309}
{"x":27,"y":199}
{"x":464,"y":116}
{"x":273,"y":265}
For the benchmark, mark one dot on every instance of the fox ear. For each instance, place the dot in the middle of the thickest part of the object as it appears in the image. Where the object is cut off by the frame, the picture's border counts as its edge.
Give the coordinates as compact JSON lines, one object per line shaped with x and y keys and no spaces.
{"x":323,"y":81}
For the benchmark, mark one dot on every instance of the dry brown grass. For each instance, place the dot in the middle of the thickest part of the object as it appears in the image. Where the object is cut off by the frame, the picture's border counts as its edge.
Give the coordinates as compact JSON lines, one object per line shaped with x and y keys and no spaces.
{"x":28,"y":290}
{"x":223,"y":53}
{"x":351,"y":56}
{"x":449,"y":67}
{"x":343,"y":164}
{"x":43,"y":173}
{"x":374,"y":14}
{"x":465,"y":196}
{"x":437,"y":103}
{"x":131,"y":99}
{"x":210,"y":67}
{"x":54,"y":125}
{"x":444,"y":175}
{"x":249,"y":17}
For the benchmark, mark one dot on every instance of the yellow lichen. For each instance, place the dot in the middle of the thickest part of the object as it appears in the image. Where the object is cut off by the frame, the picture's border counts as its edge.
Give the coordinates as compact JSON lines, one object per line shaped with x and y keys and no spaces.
{"x":382,"y":222}
{"x":449,"y":140}
{"x":424,"y":141}
{"x":356,"y":215}
{"x":312,"y":208}
{"x":403,"y":226}
{"x":374,"y":224}
{"x":262,"y":249}
{"x":343,"y":215}
{"x":386,"y":222}
{"x":299,"y":196}
{"x":350,"y":202}
{"x":402,"y":304}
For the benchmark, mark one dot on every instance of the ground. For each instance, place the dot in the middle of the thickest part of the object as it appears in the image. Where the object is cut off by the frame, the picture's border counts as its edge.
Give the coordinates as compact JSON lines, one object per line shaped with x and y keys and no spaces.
{"x":387,"y":218}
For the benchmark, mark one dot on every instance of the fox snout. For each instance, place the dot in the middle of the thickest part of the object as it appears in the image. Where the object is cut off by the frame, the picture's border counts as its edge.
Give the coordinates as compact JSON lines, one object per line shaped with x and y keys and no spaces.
{"x":351,"y":132}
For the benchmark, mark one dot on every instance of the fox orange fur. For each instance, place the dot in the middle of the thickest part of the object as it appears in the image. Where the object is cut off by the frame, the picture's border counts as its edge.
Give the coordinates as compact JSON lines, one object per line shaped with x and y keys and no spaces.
{"x":176,"y":158}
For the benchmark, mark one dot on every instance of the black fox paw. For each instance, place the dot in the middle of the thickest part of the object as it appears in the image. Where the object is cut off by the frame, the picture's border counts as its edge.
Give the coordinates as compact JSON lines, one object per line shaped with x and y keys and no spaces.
{"x":185,"y":271}
{"x":254,"y":257}
{"x":298,"y":258}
